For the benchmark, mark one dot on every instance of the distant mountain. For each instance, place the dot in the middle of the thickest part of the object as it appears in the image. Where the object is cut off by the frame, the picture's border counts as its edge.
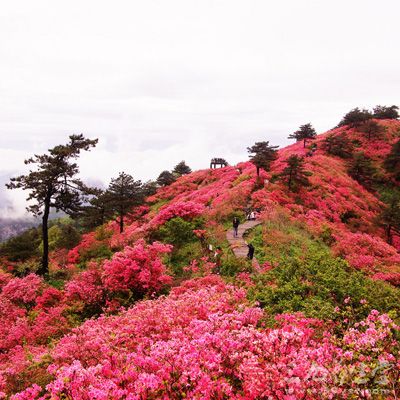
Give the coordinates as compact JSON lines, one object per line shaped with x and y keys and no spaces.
{"x":10,"y":227}
{"x":13,"y":227}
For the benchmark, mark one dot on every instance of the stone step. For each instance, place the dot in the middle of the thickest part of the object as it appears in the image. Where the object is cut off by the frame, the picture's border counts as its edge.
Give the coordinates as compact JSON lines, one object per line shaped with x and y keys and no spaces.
{"x":238,"y":244}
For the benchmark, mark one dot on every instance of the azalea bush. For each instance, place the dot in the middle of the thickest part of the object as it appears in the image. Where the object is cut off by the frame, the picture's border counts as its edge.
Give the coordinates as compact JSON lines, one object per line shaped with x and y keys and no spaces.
{"x":205,"y":341}
{"x":137,"y":270}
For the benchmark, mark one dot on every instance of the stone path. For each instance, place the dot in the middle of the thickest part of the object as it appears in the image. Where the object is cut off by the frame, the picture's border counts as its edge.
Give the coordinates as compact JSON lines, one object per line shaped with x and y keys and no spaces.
{"x":238,"y":245}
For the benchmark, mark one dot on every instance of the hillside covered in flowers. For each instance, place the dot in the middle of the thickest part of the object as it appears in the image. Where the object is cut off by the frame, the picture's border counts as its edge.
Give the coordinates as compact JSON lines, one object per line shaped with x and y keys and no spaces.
{"x":154,"y":312}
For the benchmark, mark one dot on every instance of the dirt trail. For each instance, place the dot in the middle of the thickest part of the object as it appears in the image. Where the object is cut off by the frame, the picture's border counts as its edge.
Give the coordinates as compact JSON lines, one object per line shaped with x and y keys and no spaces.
{"x":238,"y":244}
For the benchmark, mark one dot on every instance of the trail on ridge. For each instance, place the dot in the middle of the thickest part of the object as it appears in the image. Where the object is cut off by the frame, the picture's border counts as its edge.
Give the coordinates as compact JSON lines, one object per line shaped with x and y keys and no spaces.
{"x":238,"y":244}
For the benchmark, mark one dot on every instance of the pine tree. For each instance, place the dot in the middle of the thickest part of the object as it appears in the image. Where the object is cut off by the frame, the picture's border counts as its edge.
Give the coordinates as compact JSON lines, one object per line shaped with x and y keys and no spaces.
{"x":372,"y":129}
{"x":383,"y":112}
{"x":338,"y":145}
{"x":390,"y":216}
{"x":181,"y":169}
{"x":355,"y":117}
{"x":149,"y":188}
{"x":54,"y":185}
{"x":166,"y":178}
{"x":263,"y":155}
{"x":97,"y":210}
{"x":294,"y":174}
{"x":362,"y":170}
{"x":123,"y":194}
{"x":306,"y":132}
{"x":392,"y":161}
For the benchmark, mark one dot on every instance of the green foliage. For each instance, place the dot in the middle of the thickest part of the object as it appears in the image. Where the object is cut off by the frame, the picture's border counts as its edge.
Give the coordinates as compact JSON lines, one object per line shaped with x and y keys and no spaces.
{"x":63,"y":235}
{"x":372,"y":129}
{"x":166,"y":178}
{"x":262,"y":155}
{"x":362,"y":170}
{"x":181,"y":169}
{"x":54,"y":184}
{"x":177,"y":232}
{"x":183,"y":255}
{"x":97,"y":210}
{"x":305,"y":132}
{"x":98,"y":252}
{"x":338,"y":145}
{"x":102,"y":233}
{"x":309,"y":279}
{"x":355,"y":117}
{"x":294,"y":174}
{"x":392,"y":161}
{"x":23,"y":246}
{"x":123,"y":194}
{"x":154,"y":208}
{"x":389,"y":217}
{"x":231,"y":265}
{"x":186,"y":246}
{"x":384,"y":112}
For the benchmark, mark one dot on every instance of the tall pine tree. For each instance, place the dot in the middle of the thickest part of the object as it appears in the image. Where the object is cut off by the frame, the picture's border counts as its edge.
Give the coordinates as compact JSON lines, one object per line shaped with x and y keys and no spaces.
{"x":355,"y":117}
{"x":338,"y":145}
{"x":54,"y":185}
{"x":392,"y":161}
{"x":166,"y":178}
{"x":181,"y":169}
{"x":390,"y":216}
{"x":123,"y":194}
{"x":304,"y":133}
{"x":262,"y":155}
{"x":294,"y":174}
{"x":372,"y":129}
{"x":362,"y":170}
{"x":97,"y":210}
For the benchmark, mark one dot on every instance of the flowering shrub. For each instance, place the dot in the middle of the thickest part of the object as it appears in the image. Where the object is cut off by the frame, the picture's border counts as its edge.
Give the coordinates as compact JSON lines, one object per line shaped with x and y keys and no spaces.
{"x":393,"y":278}
{"x":86,"y":288}
{"x":138,"y":269}
{"x":23,"y":290}
{"x":49,"y":298}
{"x":205,"y":339}
{"x":188,"y":209}
{"x":364,"y":251}
{"x":206,"y":342}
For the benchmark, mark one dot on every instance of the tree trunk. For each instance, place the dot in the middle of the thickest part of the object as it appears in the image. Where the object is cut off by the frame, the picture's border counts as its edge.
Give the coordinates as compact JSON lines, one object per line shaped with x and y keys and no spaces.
{"x":258,"y":171}
{"x":44,"y":269}
{"x":389,"y":237}
{"x":121,"y":222}
{"x":304,"y":143}
{"x":290,"y":181}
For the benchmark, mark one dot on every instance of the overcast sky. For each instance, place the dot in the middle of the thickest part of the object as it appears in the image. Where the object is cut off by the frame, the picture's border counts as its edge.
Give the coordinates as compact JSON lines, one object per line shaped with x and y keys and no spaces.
{"x":161,"y":81}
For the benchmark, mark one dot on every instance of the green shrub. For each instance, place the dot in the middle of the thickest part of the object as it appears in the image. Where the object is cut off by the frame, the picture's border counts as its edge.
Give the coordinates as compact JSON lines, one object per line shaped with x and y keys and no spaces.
{"x":316,"y":283}
{"x":306,"y":276}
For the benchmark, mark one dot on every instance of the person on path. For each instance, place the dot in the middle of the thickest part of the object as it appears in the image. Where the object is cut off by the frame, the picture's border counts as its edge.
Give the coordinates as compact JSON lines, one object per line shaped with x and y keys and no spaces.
{"x":250,"y":254}
{"x":235,"y":224}
{"x":252,"y":216}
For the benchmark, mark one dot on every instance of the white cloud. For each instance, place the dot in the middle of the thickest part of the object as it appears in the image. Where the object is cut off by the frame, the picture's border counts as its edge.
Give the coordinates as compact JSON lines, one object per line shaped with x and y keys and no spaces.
{"x":159,"y":81}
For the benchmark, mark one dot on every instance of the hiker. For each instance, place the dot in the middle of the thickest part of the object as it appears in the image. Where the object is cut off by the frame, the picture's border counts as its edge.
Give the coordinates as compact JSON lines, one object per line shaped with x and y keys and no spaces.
{"x":235,"y":224}
{"x":250,"y":254}
{"x":252,"y":216}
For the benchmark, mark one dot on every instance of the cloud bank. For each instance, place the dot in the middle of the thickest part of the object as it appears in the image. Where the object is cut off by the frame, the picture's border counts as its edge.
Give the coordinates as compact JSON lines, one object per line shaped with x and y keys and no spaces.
{"x":158,"y":81}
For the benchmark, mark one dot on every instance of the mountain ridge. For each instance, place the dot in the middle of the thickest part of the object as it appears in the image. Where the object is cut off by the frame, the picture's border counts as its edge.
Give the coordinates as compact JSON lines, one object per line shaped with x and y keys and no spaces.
{"x":165,"y":309}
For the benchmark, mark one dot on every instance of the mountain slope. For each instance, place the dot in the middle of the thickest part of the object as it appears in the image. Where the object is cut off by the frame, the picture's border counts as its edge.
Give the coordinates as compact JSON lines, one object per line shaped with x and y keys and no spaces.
{"x":106,"y":324}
